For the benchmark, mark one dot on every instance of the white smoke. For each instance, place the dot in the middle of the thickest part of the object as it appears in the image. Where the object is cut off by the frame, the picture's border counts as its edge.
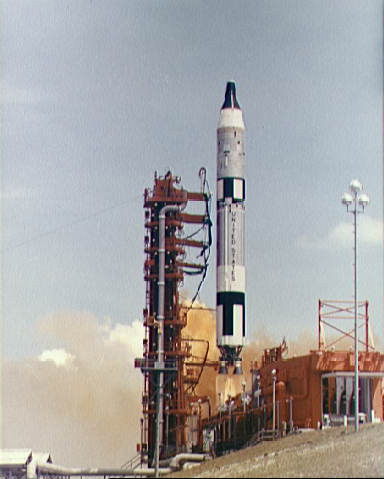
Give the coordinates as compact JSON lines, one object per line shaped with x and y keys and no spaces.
{"x":80,"y":401}
{"x":60,"y":357}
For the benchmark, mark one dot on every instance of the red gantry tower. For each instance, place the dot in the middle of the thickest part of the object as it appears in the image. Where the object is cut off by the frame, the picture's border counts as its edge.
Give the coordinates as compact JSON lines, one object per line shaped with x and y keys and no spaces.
{"x":166,"y":398}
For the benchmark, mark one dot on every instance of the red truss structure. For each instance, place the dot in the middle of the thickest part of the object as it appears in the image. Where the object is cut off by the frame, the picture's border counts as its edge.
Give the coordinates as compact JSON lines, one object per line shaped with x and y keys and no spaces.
{"x":342,"y":313}
{"x":180,"y":372}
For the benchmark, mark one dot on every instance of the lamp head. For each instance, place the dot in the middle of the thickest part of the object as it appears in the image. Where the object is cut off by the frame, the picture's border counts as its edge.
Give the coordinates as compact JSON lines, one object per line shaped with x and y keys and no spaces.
{"x":347,"y":199}
{"x":355,"y":186}
{"x":363,"y":200}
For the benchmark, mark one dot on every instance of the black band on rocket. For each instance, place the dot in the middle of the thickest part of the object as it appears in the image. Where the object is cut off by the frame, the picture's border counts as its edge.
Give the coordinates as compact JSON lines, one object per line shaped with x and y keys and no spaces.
{"x":228,"y":300}
{"x":233,"y":188}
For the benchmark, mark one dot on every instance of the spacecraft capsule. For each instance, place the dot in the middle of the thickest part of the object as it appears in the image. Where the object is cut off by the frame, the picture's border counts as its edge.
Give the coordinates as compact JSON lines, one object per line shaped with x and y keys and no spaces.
{"x":230,"y":272}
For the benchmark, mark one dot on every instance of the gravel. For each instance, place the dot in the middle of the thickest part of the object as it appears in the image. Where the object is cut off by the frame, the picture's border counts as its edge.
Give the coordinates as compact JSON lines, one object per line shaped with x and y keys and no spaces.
{"x":332,"y":452}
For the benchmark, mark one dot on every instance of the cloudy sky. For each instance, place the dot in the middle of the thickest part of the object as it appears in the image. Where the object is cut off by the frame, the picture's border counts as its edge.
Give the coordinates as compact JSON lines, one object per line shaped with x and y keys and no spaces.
{"x":96,"y":95}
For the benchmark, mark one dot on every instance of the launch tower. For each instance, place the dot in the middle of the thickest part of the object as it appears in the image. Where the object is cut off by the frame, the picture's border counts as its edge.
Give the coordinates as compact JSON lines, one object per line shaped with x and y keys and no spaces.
{"x":167,"y":387}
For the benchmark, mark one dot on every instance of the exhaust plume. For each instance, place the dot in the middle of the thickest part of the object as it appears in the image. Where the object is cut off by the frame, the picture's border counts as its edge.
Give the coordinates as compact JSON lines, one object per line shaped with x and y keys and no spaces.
{"x":201,"y":325}
{"x":80,"y":401}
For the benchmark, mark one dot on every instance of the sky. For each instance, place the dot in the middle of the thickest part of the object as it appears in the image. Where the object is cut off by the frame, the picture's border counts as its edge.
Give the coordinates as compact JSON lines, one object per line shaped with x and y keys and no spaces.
{"x":97,"y":95}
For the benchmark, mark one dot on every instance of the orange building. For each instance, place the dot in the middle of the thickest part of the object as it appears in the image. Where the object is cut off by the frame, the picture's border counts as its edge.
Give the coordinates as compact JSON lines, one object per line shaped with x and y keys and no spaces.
{"x":318,"y":389}
{"x":314,"y":390}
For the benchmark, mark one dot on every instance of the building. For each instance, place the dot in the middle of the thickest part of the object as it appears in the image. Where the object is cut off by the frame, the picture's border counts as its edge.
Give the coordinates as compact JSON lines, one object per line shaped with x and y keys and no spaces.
{"x":317,"y":389}
{"x":21,"y":463}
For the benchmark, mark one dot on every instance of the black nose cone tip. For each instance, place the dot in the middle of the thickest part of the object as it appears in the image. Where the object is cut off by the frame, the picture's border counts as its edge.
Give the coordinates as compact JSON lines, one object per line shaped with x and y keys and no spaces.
{"x":230,"y":97}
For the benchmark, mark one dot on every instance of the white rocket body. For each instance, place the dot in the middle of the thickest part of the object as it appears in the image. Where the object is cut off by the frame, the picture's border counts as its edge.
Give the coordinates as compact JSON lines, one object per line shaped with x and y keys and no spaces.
{"x":230,"y":279}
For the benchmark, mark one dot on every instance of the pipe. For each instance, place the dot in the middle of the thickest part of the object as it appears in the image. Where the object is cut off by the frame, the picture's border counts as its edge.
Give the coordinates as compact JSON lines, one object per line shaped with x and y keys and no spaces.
{"x":274,"y":400}
{"x":66,"y":471}
{"x":178,"y":461}
{"x":160,"y":318}
{"x":174,"y":464}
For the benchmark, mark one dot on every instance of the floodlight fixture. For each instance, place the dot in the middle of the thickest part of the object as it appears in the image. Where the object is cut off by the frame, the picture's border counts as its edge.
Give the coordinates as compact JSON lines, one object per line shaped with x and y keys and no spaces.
{"x":355,"y":186}
{"x":363,"y":200}
{"x":347,"y":199}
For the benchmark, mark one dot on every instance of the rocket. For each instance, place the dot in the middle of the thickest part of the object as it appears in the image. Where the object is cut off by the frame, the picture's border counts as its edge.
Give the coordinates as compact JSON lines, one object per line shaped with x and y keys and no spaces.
{"x":230,"y":269}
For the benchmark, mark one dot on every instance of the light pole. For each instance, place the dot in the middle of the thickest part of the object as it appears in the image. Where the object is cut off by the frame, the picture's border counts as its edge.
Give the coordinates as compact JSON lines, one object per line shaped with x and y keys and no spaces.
{"x":230,"y":406}
{"x":359,"y":201}
{"x":273,"y":372}
{"x":244,"y":395}
{"x":258,"y":390}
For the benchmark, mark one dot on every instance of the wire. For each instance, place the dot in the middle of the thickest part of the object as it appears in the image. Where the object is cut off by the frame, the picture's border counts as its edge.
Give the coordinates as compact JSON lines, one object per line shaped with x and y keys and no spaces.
{"x":195,"y":232}
{"x":193,"y":386}
{"x":72,"y":223}
{"x":207,"y":227}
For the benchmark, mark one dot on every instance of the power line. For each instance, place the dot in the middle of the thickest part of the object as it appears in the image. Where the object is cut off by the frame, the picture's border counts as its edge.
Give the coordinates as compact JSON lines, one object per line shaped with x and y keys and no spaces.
{"x":60,"y":228}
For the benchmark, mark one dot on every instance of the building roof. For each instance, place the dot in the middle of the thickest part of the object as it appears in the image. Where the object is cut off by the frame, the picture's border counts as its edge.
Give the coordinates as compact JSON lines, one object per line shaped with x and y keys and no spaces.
{"x":22,"y":457}
{"x":15,"y":457}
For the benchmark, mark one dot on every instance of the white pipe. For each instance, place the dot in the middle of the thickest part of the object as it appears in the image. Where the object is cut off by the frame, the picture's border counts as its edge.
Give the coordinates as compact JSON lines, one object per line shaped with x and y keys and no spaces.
{"x":174,"y":463}
{"x":178,"y":461}
{"x":65,"y":471}
{"x":188,"y":456}
{"x":160,"y":318}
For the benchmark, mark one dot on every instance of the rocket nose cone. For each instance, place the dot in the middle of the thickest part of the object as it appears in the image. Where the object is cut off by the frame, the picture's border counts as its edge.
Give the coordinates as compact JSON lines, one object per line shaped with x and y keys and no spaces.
{"x":230,"y":97}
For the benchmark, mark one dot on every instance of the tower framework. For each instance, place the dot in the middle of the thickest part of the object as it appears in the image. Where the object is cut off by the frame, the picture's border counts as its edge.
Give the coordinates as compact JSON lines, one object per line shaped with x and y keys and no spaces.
{"x":167,"y":380}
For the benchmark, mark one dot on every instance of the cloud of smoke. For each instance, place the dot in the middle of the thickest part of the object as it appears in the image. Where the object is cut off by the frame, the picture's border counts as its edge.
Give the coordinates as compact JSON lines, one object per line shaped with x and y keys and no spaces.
{"x":81,"y":401}
{"x":60,"y":357}
{"x":201,"y":325}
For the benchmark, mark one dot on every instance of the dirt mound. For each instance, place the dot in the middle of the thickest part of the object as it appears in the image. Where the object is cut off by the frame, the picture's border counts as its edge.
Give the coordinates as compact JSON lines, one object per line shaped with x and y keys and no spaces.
{"x":328,"y":453}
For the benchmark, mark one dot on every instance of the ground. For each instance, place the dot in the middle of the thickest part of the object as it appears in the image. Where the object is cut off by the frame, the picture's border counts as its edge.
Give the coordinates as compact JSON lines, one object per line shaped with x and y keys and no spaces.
{"x":331,"y":452}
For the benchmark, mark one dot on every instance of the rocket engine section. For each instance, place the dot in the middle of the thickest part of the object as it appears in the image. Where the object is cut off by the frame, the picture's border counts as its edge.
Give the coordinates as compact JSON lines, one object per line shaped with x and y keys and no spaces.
{"x":230,"y":280}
